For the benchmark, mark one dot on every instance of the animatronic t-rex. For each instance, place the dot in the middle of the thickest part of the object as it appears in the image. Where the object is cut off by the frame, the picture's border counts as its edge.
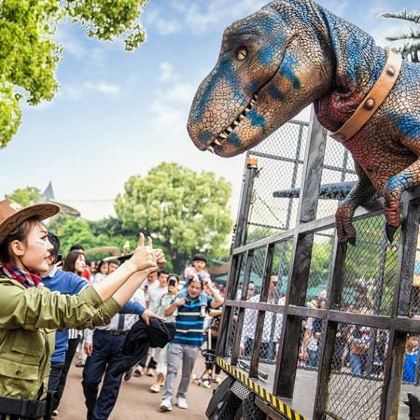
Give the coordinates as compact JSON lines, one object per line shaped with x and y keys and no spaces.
{"x":277,"y":61}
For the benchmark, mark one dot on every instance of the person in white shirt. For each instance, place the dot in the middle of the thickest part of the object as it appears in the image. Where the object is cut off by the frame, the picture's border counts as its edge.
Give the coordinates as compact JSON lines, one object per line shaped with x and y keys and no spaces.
{"x":157,"y":292}
{"x":271,"y":329}
{"x":150,"y":284}
{"x":104,"y":348}
{"x":161,"y":354}
{"x":102,"y":271}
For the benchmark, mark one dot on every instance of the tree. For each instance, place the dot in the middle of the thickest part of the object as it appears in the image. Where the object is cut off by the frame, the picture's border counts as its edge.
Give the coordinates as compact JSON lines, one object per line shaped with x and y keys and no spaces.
{"x":25,"y":196}
{"x":29,"y":54}
{"x":182,"y":210}
{"x":412,"y":47}
{"x":102,"y":233}
{"x":72,"y":231}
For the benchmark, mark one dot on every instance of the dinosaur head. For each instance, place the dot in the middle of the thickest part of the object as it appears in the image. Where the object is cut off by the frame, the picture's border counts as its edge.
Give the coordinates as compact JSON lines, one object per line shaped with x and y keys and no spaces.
{"x":271,"y":65}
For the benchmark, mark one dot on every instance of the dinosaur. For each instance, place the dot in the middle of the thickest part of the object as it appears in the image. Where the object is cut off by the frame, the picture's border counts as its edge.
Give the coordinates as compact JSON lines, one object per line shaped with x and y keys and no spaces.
{"x":292,"y":53}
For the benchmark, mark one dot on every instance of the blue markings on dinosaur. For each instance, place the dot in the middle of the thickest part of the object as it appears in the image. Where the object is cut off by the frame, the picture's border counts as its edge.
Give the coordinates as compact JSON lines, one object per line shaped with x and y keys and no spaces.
{"x":204,"y":98}
{"x":287,"y":69}
{"x":256,"y":119}
{"x":275,"y":93}
{"x":224,"y":70}
{"x":399,"y":182}
{"x":205,"y":136}
{"x":267,"y":54}
{"x":407,"y":125}
{"x":234,"y":139}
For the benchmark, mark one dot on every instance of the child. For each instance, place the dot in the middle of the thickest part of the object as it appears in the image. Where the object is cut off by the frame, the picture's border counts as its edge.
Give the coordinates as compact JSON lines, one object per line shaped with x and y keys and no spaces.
{"x":197,"y":269}
{"x":410,"y":359}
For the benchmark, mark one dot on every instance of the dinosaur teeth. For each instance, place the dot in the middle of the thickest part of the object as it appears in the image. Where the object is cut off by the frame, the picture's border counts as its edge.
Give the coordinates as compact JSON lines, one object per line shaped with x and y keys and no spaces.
{"x":253,"y":102}
{"x":236,"y":123}
{"x":217,"y":142}
{"x":229,"y":129}
{"x":223,"y":135}
{"x":256,"y":96}
{"x":210,"y":149}
{"x":241,"y":117}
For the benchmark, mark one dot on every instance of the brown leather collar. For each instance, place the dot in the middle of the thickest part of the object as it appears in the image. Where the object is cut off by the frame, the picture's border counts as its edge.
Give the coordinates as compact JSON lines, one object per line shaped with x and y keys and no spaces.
{"x":373,"y":100}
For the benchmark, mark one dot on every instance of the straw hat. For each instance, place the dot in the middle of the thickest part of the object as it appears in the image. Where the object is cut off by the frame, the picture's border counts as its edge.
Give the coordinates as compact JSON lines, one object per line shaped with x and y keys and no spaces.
{"x":12,"y":215}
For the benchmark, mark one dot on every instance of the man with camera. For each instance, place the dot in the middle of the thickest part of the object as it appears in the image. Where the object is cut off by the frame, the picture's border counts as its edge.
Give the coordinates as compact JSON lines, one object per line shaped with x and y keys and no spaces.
{"x":188,"y":337}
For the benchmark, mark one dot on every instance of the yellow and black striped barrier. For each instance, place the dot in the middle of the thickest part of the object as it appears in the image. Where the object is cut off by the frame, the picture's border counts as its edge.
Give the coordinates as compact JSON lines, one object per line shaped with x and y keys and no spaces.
{"x":262,"y":393}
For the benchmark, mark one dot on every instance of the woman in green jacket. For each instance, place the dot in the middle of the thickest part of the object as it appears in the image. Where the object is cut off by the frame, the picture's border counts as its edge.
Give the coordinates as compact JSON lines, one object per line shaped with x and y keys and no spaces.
{"x":30,"y":314}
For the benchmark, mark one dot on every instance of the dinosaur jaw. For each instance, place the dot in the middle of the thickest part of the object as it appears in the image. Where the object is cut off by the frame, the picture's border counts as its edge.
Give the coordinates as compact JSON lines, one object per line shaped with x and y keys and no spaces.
{"x":227,"y":143}
{"x":246,"y":130}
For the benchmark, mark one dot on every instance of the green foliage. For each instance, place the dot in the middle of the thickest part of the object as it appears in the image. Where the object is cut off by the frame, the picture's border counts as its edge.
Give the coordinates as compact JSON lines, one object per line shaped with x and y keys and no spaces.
{"x":25,"y":196}
{"x":71,"y":231}
{"x":412,"y":47}
{"x":90,"y":234}
{"x":320,"y":262}
{"x":29,"y":54}
{"x":107,"y":19}
{"x":183,"y":211}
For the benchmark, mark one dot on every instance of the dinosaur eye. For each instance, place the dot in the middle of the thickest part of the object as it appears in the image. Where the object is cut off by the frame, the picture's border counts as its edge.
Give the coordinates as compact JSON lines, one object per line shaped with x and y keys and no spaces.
{"x":241,"y":53}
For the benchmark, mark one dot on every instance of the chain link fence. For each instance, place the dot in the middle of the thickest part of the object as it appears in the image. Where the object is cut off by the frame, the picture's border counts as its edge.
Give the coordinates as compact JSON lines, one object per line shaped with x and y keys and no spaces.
{"x":357,"y":378}
{"x":370,"y":270}
{"x":369,"y":280}
{"x":280,"y":161}
{"x":338,"y":168}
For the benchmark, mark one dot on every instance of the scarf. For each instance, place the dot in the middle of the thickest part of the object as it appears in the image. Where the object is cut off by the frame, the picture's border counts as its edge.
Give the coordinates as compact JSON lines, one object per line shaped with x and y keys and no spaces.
{"x":14,"y":273}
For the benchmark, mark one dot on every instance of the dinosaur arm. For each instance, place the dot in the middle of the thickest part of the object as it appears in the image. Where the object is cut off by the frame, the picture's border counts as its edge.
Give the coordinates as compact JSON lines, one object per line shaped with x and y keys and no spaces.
{"x":360,"y":193}
{"x":402,"y":181}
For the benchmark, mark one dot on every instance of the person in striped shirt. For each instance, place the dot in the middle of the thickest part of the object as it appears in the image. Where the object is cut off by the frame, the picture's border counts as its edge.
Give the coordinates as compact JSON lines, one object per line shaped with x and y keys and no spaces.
{"x":188,"y":338}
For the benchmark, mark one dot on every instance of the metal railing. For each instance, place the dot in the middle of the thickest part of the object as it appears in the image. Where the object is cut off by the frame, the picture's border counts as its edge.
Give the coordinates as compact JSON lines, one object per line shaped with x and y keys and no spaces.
{"x":356,"y":338}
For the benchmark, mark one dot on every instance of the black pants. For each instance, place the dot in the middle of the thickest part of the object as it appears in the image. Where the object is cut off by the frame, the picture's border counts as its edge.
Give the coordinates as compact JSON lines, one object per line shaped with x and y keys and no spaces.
{"x":73,"y":342}
{"x":213,"y":347}
{"x":54,"y":382}
{"x":106,"y":355}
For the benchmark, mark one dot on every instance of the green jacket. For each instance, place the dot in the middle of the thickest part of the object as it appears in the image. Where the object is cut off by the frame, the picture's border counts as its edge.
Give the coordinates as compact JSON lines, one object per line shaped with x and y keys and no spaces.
{"x":28,"y":320}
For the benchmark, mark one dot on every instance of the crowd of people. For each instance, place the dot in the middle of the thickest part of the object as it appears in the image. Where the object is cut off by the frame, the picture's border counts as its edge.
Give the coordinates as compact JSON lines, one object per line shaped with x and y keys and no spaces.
{"x":188,"y":300}
{"x":359,"y":350}
{"x":51,"y":306}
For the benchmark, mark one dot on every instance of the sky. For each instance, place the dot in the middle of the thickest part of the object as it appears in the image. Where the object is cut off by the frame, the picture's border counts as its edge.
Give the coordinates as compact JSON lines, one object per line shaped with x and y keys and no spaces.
{"x":119,"y":114}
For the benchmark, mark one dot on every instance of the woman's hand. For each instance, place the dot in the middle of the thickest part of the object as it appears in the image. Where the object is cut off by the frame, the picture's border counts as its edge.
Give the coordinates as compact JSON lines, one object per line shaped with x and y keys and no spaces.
{"x":144,"y":257}
{"x":160,"y":257}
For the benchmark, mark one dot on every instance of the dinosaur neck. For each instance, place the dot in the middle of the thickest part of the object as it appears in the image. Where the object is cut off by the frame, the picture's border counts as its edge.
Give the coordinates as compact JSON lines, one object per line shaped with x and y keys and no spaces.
{"x":358,"y":64}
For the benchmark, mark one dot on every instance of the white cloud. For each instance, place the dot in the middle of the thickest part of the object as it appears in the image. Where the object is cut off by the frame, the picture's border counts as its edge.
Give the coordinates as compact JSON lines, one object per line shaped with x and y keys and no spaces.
{"x":198,"y":16}
{"x":163,"y":25}
{"x":76,"y":92}
{"x":167,"y":72}
{"x":102,"y":87}
{"x":71,"y":44}
{"x":170,"y":109}
{"x":201,"y":17}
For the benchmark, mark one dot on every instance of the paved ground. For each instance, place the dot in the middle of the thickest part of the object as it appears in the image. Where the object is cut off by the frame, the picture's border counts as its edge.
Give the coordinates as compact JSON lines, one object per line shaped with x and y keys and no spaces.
{"x":135,"y":401}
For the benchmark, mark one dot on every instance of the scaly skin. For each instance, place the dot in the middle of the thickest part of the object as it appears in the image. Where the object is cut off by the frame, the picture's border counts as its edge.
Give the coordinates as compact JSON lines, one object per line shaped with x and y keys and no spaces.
{"x":290,"y":54}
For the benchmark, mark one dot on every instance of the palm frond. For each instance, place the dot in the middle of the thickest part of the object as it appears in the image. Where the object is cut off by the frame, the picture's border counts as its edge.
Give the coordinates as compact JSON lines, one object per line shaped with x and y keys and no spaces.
{"x":411,"y":50}
{"x":412,"y":35}
{"x":404,"y":15}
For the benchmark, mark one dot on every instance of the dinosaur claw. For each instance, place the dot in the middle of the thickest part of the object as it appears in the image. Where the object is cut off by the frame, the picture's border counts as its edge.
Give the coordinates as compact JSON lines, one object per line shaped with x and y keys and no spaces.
{"x":352,"y":241}
{"x":390,"y":232}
